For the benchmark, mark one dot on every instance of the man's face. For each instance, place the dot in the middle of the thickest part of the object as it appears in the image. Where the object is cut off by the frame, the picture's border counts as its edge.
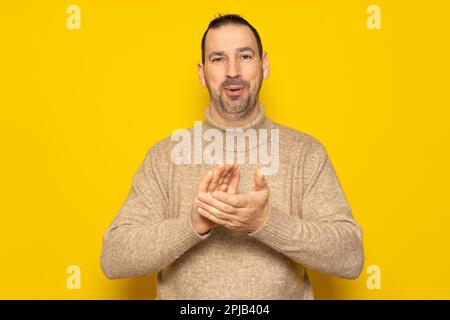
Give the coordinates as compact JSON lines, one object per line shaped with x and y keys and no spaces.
{"x":233,"y":71}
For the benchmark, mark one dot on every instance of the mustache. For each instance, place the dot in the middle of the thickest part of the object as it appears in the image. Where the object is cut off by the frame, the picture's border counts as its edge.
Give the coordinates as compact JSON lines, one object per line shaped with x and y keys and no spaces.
{"x":235,"y":82}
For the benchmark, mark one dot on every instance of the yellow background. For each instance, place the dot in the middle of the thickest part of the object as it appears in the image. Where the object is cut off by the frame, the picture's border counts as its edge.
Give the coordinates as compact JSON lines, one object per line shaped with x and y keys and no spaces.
{"x":80,"y":108}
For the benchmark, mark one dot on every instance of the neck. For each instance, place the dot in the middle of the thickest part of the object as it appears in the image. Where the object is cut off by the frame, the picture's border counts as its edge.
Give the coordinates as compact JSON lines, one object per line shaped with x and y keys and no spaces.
{"x":230,"y":123}
{"x":256,"y":122}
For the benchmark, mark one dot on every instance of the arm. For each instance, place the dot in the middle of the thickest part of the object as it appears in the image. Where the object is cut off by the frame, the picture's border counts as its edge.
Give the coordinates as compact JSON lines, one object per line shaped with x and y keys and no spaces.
{"x":326,"y":238}
{"x":141,"y":240}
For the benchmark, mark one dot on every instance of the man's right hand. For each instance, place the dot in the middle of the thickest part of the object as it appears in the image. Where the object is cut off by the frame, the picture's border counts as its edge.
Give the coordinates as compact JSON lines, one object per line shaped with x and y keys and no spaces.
{"x":225,"y":177}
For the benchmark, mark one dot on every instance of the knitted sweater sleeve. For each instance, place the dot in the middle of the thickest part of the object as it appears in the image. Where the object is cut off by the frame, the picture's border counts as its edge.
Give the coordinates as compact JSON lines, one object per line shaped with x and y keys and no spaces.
{"x":141,"y":239}
{"x":325,"y":237}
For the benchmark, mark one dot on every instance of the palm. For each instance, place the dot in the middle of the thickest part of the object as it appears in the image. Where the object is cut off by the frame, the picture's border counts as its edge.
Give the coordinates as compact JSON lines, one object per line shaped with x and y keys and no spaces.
{"x":224,"y":178}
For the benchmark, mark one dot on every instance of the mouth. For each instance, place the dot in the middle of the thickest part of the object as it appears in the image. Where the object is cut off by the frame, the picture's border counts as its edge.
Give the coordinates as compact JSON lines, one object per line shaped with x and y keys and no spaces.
{"x":234,"y":90}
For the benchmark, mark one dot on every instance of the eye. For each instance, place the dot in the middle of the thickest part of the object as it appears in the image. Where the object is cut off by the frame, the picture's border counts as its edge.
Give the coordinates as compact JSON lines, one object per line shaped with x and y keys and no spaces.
{"x":246,"y":56}
{"x":217,"y":59}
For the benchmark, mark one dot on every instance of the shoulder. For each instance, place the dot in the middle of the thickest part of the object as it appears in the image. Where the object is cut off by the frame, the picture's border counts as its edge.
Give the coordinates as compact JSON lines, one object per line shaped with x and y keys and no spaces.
{"x":300,"y":141}
{"x":157,"y":157}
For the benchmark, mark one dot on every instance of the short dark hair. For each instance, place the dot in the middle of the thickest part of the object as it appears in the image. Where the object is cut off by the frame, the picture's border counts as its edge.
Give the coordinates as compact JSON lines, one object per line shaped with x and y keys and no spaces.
{"x":227,"y":19}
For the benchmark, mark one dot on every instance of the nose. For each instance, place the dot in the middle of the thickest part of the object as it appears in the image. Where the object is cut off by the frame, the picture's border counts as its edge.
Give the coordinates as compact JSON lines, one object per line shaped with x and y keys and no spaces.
{"x":233,"y":68}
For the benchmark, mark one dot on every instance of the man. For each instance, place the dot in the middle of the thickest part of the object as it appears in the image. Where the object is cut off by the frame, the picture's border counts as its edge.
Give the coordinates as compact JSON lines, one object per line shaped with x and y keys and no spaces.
{"x":224,"y":230}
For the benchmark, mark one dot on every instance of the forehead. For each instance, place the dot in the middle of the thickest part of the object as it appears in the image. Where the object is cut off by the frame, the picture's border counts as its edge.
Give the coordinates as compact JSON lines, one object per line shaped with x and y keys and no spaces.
{"x":229,"y":37}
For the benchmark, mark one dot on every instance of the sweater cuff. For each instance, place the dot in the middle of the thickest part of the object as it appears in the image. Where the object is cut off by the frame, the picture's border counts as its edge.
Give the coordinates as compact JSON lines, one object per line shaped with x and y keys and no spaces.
{"x":277,"y":229}
{"x":184,"y":235}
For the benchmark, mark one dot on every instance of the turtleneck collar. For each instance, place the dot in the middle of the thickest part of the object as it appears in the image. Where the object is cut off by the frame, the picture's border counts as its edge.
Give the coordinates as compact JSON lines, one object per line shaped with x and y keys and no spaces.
{"x":260,"y":122}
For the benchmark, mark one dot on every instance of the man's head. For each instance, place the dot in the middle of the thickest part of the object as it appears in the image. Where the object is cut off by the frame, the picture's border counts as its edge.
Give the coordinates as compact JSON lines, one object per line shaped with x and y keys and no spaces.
{"x":233,"y":66}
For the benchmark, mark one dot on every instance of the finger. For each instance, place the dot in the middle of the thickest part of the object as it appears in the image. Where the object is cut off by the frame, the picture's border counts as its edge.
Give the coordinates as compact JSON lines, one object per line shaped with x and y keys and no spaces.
{"x":232,"y":186}
{"x":207,"y":199}
{"x":214,"y":211}
{"x":216,"y":175}
{"x":233,"y":223}
{"x":203,"y":186}
{"x":211,"y":217}
{"x":234,"y":167}
{"x":234,"y":200}
{"x":225,"y":173}
{"x":260,"y":181}
{"x":223,"y":186}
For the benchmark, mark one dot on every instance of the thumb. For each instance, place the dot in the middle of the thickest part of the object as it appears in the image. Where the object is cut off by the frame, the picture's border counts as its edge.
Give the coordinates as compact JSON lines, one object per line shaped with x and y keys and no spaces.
{"x":260,"y":181}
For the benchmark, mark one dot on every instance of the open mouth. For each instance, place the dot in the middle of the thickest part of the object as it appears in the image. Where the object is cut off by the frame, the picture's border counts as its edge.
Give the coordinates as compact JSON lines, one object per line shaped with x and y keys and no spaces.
{"x":234,"y":90}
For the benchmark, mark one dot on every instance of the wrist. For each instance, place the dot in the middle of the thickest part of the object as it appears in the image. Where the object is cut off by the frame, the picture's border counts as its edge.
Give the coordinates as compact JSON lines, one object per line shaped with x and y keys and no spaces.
{"x":264,"y":218}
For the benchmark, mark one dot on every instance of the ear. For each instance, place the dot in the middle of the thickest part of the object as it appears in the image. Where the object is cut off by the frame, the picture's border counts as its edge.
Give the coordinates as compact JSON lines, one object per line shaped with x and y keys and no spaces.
{"x":201,"y":74}
{"x":266,"y":68}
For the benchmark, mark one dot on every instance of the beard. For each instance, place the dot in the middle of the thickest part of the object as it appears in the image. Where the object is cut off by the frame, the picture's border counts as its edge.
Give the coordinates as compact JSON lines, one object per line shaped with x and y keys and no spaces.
{"x":235,"y":107}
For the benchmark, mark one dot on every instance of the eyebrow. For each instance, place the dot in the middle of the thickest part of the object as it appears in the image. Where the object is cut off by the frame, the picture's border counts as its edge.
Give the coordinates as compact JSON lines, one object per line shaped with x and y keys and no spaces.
{"x":238,"y":50}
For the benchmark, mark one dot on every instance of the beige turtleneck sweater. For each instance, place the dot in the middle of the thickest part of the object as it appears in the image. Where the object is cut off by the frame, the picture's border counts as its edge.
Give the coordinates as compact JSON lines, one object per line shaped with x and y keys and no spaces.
{"x":310,"y":226}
